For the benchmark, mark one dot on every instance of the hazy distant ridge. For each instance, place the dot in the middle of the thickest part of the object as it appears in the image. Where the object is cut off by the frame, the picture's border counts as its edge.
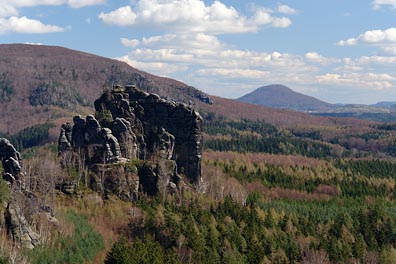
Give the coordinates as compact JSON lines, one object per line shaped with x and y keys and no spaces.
{"x":280,"y":96}
{"x":385,"y":104}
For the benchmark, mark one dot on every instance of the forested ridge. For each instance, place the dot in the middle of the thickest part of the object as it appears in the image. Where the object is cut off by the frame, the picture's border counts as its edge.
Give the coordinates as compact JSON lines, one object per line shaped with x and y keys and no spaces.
{"x":276,"y":195}
{"x":270,"y":194}
{"x":278,"y":186}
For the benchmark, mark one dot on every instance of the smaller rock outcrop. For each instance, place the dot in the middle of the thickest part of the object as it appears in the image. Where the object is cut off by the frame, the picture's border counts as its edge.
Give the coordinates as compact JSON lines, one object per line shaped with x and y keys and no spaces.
{"x":11,"y":161}
{"x":65,"y":137}
{"x":120,"y":179}
{"x":127,"y":140}
{"x":99,"y":143}
{"x":18,"y":226}
{"x":15,"y":219}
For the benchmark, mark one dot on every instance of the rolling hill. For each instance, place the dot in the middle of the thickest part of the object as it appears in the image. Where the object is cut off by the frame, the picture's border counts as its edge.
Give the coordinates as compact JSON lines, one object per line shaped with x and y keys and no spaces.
{"x":40,"y":83}
{"x":47,"y":84}
{"x":279,"y":96}
{"x":385,"y":104}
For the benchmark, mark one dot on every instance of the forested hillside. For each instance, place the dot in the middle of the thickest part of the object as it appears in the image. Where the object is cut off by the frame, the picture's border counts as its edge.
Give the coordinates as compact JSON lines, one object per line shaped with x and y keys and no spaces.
{"x":50,"y":82}
{"x":278,"y":186}
{"x":270,"y":195}
{"x":274,"y":195}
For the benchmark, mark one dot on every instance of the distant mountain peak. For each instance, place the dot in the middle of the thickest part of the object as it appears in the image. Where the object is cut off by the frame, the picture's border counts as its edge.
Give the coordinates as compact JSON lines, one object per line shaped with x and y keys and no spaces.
{"x":275,"y":86}
{"x":385,"y":104}
{"x":281,"y":96}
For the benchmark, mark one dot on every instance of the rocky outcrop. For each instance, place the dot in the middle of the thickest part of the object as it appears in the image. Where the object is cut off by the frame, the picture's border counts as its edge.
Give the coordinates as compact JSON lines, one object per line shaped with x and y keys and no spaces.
{"x":98,"y":142}
{"x":120,"y":179}
{"x":11,"y":161}
{"x":181,"y":121}
{"x":131,"y":124}
{"x":17,"y":225}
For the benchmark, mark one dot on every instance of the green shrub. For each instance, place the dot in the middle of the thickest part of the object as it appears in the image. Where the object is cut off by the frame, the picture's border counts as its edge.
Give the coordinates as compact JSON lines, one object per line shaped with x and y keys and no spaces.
{"x":82,"y":246}
{"x":145,"y":251}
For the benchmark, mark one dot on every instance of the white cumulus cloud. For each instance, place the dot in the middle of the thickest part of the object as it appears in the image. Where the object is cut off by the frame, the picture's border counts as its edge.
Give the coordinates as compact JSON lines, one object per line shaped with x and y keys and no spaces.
{"x":369,"y":80}
{"x":204,"y":58}
{"x":348,"y":42}
{"x":83,"y":3}
{"x":384,"y":39}
{"x":285,"y":9}
{"x":379,"y":36}
{"x":378,"y":3}
{"x":12,"y":22}
{"x":194,"y":41}
{"x":26,"y":25}
{"x":71,"y":3}
{"x":133,"y":43}
{"x":6,"y":9}
{"x":391,"y":50}
{"x":264,"y":17}
{"x":234,"y":73}
{"x":315,"y":57}
{"x":281,"y":22}
{"x":30,"y":3}
{"x":192,"y":16}
{"x":34,"y":43}
{"x":208,"y":63}
{"x":161,"y":68}
{"x":123,"y":16}
{"x":372,"y":37}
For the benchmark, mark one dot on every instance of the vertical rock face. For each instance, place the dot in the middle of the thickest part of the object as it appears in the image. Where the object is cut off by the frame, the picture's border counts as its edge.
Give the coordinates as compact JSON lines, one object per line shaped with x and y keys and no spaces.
{"x":122,"y":130}
{"x":98,"y":142}
{"x":179,"y":120}
{"x":17,"y":225}
{"x":11,"y":161}
{"x":132,"y":124}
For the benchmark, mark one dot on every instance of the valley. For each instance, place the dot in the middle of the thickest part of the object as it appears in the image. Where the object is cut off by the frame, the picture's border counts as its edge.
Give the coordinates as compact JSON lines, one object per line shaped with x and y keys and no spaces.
{"x":278,"y":185}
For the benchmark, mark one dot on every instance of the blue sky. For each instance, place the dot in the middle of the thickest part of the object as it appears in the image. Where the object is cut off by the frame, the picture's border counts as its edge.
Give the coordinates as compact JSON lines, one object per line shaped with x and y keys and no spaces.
{"x":336,"y":50}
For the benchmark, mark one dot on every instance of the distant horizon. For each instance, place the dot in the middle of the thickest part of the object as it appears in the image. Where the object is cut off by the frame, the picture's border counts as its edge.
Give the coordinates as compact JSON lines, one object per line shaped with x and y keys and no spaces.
{"x":228,"y":48}
{"x":278,"y":84}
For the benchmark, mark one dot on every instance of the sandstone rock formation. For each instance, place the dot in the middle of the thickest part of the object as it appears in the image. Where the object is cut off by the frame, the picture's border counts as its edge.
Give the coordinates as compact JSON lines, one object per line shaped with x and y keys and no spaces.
{"x":120,"y":179}
{"x":130,"y":124}
{"x":100,"y":144}
{"x":11,"y":161}
{"x":17,"y":225}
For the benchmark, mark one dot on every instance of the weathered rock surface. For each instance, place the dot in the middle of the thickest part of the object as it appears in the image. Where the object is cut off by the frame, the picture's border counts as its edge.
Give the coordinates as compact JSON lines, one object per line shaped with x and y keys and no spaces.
{"x":11,"y":161}
{"x":162,"y":126}
{"x":18,"y":226}
{"x":120,"y":179}
{"x":132,"y":124}
{"x":14,"y":215}
{"x":159,"y":177}
{"x":98,"y":142}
